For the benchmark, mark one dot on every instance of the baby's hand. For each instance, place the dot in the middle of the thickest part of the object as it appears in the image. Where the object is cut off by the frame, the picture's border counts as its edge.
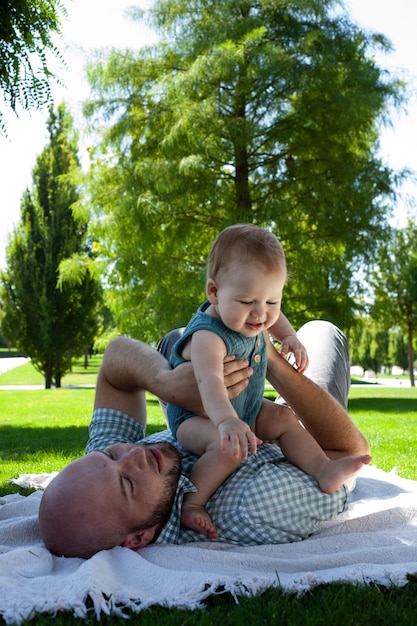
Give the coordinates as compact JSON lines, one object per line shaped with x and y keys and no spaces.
{"x":292,"y":344}
{"x":236,"y":437}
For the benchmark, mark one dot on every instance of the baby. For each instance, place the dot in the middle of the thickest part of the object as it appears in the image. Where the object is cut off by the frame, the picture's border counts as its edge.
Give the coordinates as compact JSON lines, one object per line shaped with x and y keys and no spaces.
{"x":245,"y":281}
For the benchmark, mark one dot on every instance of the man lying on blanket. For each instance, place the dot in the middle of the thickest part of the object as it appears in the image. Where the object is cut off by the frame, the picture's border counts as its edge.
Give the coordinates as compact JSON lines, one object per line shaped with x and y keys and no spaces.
{"x":124,"y":492}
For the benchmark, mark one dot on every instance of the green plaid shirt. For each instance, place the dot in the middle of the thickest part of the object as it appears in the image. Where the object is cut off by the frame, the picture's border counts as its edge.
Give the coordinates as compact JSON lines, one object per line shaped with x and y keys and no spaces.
{"x":266,"y":500}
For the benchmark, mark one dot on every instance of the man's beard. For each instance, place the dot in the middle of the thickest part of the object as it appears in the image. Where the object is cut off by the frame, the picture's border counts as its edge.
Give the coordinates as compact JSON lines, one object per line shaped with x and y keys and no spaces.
{"x":162,"y":511}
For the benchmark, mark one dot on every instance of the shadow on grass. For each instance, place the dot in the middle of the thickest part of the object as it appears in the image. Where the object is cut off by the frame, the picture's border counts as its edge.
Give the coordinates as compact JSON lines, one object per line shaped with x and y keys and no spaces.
{"x":18,"y":442}
{"x":382,"y":405}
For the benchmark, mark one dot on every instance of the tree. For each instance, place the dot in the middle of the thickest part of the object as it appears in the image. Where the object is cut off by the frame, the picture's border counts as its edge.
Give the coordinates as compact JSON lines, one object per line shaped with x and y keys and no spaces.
{"x":369,"y":345}
{"x":247,"y":110}
{"x":26,"y":37}
{"x":398,"y":350}
{"x":395,"y":284}
{"x":50,"y":323}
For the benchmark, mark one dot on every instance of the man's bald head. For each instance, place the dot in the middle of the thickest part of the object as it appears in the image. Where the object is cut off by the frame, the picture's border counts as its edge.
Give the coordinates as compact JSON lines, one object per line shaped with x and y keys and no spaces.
{"x":119,"y":496}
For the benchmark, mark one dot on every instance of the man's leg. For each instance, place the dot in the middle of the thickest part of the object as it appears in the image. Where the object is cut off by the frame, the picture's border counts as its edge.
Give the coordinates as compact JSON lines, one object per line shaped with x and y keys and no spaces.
{"x":329,"y":363}
{"x":322,"y":413}
{"x":164,"y":347}
{"x":166,"y":344}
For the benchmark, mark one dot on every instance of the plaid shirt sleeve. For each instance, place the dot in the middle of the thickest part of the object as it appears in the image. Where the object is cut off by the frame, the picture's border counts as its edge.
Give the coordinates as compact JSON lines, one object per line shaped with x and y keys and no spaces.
{"x":266,"y":500}
{"x":109,"y":426}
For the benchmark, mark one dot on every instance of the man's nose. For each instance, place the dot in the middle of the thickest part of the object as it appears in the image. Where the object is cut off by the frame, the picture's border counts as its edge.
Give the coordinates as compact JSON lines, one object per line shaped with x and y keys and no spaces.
{"x":135,"y":457}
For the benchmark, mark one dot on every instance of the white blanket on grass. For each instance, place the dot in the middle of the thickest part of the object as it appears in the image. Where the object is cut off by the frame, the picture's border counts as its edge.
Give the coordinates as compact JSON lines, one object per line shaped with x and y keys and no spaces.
{"x":375,"y":541}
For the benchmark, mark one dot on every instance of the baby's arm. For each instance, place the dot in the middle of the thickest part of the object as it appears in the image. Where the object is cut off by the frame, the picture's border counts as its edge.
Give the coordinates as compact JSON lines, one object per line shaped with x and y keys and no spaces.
{"x":207,"y":352}
{"x":284,"y":332}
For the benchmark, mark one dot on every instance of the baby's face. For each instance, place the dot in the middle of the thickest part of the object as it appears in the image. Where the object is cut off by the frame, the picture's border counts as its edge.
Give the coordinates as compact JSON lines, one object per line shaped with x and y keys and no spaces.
{"x":248,"y":297}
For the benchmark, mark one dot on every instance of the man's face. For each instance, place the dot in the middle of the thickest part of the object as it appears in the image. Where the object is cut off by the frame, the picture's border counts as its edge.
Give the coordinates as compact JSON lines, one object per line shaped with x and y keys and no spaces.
{"x":109,"y":498}
{"x":138,"y":481}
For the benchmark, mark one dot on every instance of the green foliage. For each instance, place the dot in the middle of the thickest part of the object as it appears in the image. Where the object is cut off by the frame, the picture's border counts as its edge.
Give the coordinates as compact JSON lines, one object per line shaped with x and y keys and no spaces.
{"x":254,"y":111}
{"x":397,"y":349}
{"x":377,"y":346}
{"x":49,"y":324}
{"x":395,"y":285}
{"x":26,"y":38}
{"x":370,"y":345}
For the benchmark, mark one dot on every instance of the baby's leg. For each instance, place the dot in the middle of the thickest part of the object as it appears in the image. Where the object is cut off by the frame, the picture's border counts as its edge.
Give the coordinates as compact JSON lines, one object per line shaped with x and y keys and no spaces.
{"x":200,"y":436}
{"x":301,"y":449}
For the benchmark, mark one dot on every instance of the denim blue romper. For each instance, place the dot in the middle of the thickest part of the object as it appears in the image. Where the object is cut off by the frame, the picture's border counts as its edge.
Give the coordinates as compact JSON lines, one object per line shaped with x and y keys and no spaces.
{"x":248,"y":403}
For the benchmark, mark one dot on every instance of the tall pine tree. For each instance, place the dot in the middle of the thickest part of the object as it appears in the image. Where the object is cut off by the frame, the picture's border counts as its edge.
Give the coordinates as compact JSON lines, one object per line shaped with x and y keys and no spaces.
{"x":51,"y":323}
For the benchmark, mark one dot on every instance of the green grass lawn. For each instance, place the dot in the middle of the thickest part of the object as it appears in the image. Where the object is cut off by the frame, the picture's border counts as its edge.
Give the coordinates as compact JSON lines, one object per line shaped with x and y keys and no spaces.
{"x":42,"y":430}
{"x":388,"y":418}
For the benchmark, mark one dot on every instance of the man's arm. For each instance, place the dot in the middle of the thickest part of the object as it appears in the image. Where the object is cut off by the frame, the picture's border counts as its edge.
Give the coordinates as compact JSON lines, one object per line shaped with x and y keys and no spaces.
{"x":319,"y":412}
{"x":130,"y":367}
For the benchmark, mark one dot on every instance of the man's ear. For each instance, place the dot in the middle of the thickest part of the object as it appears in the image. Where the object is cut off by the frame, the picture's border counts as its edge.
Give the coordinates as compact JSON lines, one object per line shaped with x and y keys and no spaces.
{"x":139,"y":539}
{"x":211,"y":291}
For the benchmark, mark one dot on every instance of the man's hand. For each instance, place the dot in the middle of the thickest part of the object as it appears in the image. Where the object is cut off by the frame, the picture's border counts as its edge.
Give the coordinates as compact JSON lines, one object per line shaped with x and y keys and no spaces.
{"x":179,"y":386}
{"x":236,"y":375}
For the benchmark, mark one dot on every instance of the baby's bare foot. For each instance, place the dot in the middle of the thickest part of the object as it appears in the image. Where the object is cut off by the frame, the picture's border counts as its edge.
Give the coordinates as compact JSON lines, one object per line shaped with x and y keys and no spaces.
{"x":338,"y":471}
{"x":198,"y":519}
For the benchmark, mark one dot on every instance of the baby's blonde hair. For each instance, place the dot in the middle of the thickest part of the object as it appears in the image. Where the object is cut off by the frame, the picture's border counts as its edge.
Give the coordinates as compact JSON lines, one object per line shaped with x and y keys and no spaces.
{"x":249,"y":243}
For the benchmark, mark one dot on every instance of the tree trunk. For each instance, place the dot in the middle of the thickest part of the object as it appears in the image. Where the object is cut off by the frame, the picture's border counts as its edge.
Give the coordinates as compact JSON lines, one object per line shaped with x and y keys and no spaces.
{"x":411,"y":355}
{"x":86,"y":353}
{"x":48,"y":380}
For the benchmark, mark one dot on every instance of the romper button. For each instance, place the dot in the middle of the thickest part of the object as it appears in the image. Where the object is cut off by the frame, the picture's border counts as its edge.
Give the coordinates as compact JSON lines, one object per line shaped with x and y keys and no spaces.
{"x":257,"y":358}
